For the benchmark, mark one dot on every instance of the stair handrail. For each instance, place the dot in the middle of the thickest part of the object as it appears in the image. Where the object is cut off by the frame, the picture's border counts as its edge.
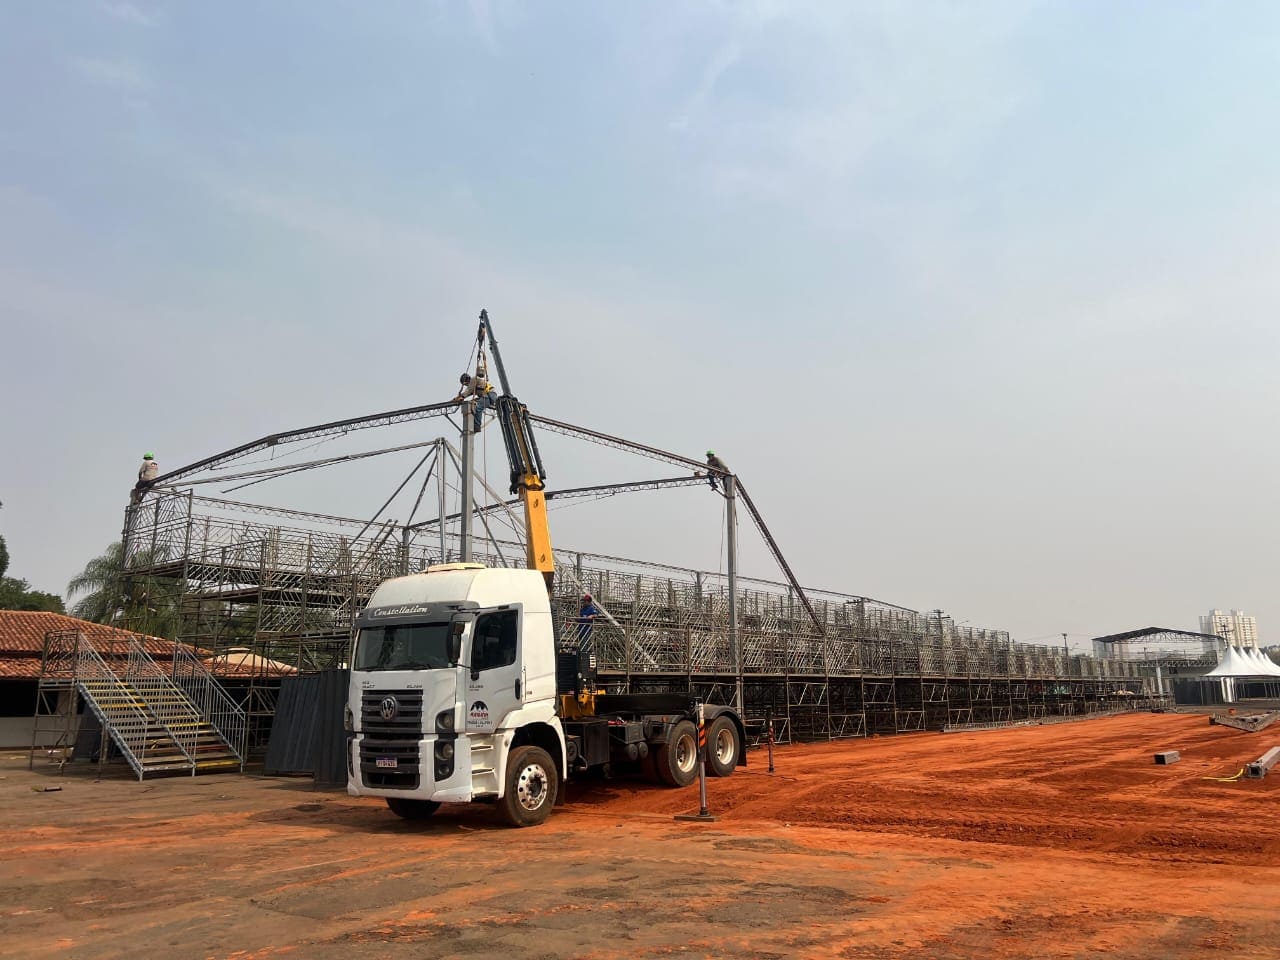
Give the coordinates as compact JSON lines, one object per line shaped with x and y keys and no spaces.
{"x":202,"y":687}
{"x":134,"y":735}
{"x":167,"y":702}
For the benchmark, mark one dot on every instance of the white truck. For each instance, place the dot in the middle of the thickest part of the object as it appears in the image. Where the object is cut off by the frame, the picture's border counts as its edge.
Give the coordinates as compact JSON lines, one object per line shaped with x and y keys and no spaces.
{"x":458,"y":694}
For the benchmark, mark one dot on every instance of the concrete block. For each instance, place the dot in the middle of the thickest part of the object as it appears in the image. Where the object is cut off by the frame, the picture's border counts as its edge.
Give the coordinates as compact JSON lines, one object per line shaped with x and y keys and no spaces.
{"x":1168,"y":756}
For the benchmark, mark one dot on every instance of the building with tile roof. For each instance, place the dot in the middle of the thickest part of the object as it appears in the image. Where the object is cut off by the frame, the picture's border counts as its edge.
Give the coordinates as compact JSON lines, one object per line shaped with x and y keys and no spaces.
{"x":22,"y":639}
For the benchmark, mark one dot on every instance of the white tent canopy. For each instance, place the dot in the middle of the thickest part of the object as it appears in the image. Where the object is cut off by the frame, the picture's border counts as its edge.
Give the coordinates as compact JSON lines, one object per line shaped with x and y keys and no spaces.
{"x":1239,"y":663}
{"x":1265,"y":663}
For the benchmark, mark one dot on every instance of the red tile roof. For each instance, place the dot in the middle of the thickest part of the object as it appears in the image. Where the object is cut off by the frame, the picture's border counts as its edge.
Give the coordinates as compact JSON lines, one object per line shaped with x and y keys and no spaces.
{"x":24,"y":630}
{"x":22,"y":635}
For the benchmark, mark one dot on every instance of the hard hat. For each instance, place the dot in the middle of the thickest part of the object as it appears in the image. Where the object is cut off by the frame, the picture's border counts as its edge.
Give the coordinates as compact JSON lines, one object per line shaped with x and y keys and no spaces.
{"x":586,"y":596}
{"x":465,"y":378}
{"x":711,"y":453}
{"x":147,"y":456}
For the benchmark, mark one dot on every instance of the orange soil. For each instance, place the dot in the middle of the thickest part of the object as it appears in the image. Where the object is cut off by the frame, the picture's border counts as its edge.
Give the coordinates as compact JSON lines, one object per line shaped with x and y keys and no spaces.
{"x":1062,"y":841}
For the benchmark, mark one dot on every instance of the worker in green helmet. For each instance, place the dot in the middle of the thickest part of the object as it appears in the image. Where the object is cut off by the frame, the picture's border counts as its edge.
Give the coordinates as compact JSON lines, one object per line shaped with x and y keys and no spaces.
{"x":147,"y":474}
{"x":715,"y":466}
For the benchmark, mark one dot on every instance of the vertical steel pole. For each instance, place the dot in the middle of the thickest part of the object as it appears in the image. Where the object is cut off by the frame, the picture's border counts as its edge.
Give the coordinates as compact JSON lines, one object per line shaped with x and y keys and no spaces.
{"x":465,"y":482}
{"x":704,"y":814}
{"x":440,"y":489}
{"x":768,"y":719}
{"x":731,"y":539}
{"x":702,"y":761}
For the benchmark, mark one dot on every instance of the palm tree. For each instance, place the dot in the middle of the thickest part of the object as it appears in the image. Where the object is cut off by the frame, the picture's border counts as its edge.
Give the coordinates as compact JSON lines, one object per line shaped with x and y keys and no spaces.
{"x":143,"y":603}
{"x":101,"y":582}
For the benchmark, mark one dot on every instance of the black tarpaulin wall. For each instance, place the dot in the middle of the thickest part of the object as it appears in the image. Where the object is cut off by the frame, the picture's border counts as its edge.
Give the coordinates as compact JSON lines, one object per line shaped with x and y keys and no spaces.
{"x":307,"y":735}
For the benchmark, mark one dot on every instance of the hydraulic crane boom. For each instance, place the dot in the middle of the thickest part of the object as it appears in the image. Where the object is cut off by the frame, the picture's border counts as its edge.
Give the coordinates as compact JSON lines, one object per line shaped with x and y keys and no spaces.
{"x":527,"y":474}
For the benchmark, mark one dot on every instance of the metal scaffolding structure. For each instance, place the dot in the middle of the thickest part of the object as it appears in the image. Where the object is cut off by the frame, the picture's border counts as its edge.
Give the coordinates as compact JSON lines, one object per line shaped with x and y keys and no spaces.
{"x":286,"y":586}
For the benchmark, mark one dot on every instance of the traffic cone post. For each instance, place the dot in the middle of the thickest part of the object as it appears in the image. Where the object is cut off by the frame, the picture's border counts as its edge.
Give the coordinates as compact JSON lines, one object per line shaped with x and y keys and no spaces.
{"x":704,"y":814}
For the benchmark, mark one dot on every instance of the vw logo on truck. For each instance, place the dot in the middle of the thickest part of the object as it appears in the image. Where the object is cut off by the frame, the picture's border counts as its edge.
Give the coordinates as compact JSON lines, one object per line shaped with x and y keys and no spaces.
{"x":389,"y":708}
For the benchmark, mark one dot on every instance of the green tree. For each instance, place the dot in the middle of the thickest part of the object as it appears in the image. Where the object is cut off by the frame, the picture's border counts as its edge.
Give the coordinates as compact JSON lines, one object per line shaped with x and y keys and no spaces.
{"x":101,"y":582}
{"x":17,"y":594}
{"x":143,"y":603}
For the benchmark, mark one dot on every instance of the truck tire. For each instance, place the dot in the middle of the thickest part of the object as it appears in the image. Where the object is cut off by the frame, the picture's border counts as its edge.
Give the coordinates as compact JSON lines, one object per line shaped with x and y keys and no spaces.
{"x":677,"y":760}
{"x":724,"y":747}
{"x":412,"y":809}
{"x":532,"y":785}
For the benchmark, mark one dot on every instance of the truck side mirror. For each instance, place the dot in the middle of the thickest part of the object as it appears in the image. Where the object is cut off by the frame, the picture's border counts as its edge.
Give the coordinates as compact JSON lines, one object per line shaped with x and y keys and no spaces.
{"x":455,"y":642}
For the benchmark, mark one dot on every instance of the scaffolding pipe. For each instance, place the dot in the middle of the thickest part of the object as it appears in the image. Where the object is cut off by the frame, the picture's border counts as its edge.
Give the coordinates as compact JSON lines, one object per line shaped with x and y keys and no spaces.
{"x":465,"y":481}
{"x":731,"y":541}
{"x":441,"y":491}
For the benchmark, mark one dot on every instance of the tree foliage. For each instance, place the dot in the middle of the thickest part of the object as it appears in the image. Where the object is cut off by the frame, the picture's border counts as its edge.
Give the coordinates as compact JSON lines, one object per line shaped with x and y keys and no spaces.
{"x":17,"y":594}
{"x":101,"y":583}
{"x":142,"y":603}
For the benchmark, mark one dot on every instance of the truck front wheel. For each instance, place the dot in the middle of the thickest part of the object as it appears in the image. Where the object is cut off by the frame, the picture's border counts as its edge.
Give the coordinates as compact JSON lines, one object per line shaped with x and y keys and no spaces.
{"x":677,"y":760}
{"x":532,"y":784}
{"x":412,"y":809}
{"x":723,"y":747}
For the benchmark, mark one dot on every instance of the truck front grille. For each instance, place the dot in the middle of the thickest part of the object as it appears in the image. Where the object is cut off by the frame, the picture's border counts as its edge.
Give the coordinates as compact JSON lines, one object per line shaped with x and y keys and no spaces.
{"x":405,"y":775}
{"x":386,"y":738}
{"x":406,"y":722}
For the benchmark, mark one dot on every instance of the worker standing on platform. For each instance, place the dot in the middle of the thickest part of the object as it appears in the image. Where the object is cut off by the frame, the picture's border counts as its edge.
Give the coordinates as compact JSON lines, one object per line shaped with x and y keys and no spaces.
{"x":715,"y":465}
{"x":147,"y":474}
{"x":588,"y":614}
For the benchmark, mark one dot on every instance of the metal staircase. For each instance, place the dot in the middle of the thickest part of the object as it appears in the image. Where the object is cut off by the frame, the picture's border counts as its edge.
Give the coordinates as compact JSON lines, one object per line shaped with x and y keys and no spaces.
{"x":160,"y":723}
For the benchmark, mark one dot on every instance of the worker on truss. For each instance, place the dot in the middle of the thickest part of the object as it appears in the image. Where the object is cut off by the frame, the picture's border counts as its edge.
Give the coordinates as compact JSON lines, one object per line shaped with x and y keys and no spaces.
{"x":715,"y":466}
{"x":480,"y":388}
{"x":147,"y":474}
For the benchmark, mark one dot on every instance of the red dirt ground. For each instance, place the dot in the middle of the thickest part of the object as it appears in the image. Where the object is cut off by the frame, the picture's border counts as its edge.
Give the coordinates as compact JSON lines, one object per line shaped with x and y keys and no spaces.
{"x":1058,"y":841}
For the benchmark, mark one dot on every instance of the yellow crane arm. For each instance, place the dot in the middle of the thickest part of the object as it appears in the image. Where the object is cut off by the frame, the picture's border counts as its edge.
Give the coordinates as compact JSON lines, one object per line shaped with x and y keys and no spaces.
{"x":527,"y":475}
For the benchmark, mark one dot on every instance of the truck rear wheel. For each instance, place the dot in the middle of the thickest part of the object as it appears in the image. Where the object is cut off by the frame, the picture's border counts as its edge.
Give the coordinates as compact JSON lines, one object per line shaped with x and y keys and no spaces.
{"x":677,"y":759}
{"x":412,"y":809}
{"x":532,"y":785}
{"x":724,"y":747}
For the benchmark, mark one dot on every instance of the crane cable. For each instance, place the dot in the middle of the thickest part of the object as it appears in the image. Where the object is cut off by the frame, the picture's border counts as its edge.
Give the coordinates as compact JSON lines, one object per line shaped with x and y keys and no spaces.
{"x":466,"y":367}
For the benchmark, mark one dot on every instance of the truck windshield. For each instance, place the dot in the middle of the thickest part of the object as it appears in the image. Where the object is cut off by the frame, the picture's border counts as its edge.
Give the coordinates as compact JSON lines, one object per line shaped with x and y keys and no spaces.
{"x":409,"y":646}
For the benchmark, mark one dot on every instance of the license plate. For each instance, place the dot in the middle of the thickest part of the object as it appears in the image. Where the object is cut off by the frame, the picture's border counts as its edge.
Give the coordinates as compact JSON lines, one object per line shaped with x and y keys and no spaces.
{"x":390,"y":762}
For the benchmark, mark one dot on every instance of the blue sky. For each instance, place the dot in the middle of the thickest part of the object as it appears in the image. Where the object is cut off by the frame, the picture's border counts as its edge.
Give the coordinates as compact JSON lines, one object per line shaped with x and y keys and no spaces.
{"x":978,"y":298}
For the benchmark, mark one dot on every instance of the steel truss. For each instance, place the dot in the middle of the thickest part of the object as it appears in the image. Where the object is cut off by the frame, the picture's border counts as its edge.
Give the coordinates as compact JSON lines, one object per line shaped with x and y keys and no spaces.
{"x":287,"y":585}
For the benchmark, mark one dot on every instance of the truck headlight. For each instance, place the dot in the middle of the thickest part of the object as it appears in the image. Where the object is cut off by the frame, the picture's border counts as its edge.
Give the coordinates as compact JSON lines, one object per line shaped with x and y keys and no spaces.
{"x":444,"y":721}
{"x":348,"y":718}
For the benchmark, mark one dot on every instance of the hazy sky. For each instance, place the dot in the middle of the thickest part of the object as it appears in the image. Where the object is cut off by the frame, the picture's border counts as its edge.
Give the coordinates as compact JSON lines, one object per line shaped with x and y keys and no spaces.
{"x":978,"y":298}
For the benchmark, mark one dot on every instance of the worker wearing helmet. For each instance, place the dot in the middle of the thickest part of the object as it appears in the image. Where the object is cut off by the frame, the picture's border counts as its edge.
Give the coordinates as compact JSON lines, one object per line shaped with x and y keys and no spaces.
{"x":715,"y":466}
{"x":480,"y":388}
{"x":147,"y":474}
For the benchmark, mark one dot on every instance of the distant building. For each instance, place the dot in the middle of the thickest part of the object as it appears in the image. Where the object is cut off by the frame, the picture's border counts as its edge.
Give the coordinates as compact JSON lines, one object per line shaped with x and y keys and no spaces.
{"x":1234,"y":626}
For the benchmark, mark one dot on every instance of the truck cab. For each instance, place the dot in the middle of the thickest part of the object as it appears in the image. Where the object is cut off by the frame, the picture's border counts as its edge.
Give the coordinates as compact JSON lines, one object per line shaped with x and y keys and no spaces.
{"x":455,"y":697}
{"x":453,"y":685}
